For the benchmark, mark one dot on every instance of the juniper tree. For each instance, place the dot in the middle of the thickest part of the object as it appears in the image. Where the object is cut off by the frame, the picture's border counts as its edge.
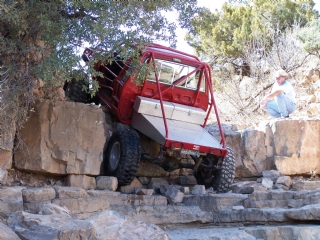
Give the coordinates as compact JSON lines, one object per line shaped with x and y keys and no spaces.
{"x":310,"y":38}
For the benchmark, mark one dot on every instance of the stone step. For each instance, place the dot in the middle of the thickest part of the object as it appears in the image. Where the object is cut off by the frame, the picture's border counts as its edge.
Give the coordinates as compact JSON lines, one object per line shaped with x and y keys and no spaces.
{"x":214,"y":202}
{"x":263,"y":215}
{"x":117,"y":198}
{"x":283,"y":199}
{"x":76,"y":199}
{"x":273,"y":206}
{"x":266,"y":204}
{"x":302,"y":232}
{"x":273,"y":195}
{"x":165,"y":214}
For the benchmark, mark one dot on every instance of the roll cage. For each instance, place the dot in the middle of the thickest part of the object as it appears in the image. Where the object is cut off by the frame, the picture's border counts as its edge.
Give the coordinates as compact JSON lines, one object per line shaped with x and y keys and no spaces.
{"x":119,"y":91}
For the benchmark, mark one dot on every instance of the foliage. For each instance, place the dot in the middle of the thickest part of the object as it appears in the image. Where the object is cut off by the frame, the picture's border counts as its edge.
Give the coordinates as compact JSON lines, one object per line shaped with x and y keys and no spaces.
{"x":310,"y":38}
{"x":40,"y":41}
{"x":226,"y":33}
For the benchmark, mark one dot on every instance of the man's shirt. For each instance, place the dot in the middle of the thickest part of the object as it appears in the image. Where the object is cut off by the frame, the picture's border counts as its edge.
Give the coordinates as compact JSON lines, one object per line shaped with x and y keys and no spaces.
{"x":287,"y":88}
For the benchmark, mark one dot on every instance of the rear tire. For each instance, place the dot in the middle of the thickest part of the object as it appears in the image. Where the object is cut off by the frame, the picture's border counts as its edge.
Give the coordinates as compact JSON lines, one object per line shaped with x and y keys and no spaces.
{"x":73,"y":91}
{"x":122,"y":154}
{"x":221,"y":179}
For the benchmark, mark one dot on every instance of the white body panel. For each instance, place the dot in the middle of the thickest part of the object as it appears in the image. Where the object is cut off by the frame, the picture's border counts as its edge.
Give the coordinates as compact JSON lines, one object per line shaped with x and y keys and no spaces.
{"x":152,"y":107}
{"x":179,"y":131}
{"x":173,"y":111}
{"x":183,"y":123}
{"x":188,"y":114}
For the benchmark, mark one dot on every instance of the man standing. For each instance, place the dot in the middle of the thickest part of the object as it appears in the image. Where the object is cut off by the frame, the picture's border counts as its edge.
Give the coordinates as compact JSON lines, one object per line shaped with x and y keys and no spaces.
{"x":281,"y":101}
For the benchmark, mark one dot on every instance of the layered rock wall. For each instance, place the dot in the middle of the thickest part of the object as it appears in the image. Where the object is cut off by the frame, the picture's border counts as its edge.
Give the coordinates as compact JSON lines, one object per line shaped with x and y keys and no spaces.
{"x":66,"y":138}
{"x":290,"y":146}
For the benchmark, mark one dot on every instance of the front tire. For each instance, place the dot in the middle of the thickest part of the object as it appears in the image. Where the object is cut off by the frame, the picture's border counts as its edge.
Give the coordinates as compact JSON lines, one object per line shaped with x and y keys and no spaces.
{"x":73,"y":91}
{"x":122,"y":154}
{"x":221,"y":179}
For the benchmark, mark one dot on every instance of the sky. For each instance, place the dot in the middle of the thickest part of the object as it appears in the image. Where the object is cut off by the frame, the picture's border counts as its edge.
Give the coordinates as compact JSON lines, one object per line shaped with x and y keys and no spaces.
{"x":181,"y":43}
{"x":212,"y":5}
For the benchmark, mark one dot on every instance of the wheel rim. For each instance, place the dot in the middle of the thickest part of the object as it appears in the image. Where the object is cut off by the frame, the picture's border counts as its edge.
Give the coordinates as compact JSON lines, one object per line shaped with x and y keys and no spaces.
{"x":114,"y":156}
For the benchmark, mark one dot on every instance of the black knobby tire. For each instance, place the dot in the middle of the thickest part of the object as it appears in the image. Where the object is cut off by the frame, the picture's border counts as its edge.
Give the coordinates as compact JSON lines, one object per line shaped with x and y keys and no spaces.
{"x":224,"y":177}
{"x":73,"y":91}
{"x":122,"y":154}
{"x":221,"y":179}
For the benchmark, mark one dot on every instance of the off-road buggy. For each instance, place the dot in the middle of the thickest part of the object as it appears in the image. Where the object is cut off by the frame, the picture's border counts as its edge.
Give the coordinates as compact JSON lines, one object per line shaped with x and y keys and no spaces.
{"x":165,"y":115}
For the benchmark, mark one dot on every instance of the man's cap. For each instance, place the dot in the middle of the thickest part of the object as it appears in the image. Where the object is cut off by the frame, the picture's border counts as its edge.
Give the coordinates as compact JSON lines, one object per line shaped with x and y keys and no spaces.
{"x":281,"y":73}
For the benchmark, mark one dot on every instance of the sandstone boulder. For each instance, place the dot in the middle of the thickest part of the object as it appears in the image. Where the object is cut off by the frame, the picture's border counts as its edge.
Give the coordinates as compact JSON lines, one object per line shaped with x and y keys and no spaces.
{"x":272,"y":175}
{"x":112,"y":225}
{"x":107,"y":183}
{"x":244,"y":187}
{"x":155,"y":183}
{"x":254,"y":160}
{"x":63,"y":138}
{"x":283,"y":182}
{"x":82,"y":181}
{"x":174,"y":195}
{"x":131,"y":187}
{"x":294,"y":146}
{"x":198,"y":190}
